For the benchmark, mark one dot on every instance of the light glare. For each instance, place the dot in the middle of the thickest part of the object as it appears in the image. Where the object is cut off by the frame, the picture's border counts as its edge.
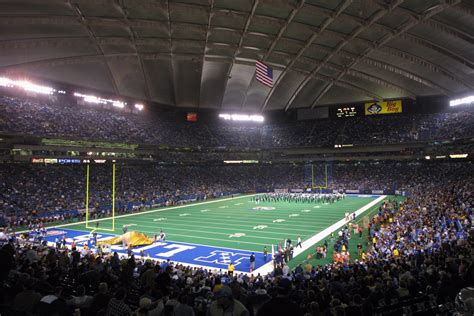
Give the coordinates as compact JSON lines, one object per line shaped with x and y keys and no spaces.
{"x":466,"y":100}
{"x":242,"y":117}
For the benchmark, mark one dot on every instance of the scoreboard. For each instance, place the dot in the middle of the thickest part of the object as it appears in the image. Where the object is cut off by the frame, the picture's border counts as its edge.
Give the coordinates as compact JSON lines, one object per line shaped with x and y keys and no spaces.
{"x":346,"y":111}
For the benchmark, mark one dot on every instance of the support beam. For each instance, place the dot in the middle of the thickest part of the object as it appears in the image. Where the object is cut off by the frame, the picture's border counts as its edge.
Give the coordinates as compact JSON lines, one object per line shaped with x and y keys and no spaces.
{"x":237,"y":50}
{"x":123,"y":10}
{"x":382,"y":41}
{"x":374,"y":18}
{"x":170,"y":39}
{"x":92,"y":36}
{"x":274,"y":42}
{"x":211,"y":7}
{"x":340,"y":8}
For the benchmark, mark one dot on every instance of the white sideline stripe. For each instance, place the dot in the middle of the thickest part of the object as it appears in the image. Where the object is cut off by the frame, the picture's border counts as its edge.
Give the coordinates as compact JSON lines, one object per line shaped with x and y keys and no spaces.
{"x":263,"y":270}
{"x":150,"y":211}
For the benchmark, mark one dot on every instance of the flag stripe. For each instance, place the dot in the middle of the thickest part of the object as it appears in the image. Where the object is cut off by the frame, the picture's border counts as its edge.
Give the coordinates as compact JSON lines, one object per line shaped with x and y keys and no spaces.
{"x":264,"y":74}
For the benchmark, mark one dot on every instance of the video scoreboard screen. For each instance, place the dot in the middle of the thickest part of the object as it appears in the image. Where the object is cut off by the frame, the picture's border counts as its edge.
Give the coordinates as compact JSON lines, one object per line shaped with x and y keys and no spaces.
{"x":345,"y":111}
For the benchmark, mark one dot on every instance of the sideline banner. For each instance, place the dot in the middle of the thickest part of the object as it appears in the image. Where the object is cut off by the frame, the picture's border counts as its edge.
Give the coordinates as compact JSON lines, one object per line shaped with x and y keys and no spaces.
{"x":386,"y":107}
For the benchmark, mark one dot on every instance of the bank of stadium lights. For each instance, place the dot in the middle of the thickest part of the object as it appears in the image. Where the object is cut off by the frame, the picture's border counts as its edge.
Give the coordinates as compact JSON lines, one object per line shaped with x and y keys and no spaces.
{"x":242,"y":117}
{"x":466,"y":100}
{"x":26,"y":85}
{"x":98,"y":100}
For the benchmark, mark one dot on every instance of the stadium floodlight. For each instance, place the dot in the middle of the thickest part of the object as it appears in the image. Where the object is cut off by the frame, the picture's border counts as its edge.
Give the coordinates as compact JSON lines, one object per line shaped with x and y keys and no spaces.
{"x":5,"y":82}
{"x":139,"y":106}
{"x":26,"y":85}
{"x":118,"y":104}
{"x":455,"y":156}
{"x":427,"y":157}
{"x":440,"y":157}
{"x":99,"y":100}
{"x":466,"y":100}
{"x":242,"y":117}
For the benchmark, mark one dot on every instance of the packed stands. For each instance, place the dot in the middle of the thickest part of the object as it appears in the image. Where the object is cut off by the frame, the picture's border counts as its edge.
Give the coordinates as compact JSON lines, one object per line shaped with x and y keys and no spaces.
{"x":47,"y":118}
{"x":431,"y":232}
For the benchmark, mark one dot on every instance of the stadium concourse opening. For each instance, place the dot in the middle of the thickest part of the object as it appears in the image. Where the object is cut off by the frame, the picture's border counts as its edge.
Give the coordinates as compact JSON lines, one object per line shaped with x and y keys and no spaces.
{"x":208,"y":158}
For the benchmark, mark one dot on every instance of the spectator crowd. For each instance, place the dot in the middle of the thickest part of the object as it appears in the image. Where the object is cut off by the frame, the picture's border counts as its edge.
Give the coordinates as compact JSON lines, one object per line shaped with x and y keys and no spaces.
{"x":418,"y":257}
{"x":47,"y":118}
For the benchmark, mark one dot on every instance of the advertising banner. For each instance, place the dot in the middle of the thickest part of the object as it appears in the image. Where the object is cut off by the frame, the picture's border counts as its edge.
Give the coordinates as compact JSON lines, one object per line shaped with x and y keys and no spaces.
{"x":352,"y":191}
{"x":377,"y":191}
{"x":386,"y":107}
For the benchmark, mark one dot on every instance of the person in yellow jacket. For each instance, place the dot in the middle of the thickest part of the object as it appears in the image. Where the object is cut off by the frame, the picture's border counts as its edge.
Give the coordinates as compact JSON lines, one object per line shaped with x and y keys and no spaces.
{"x":230,"y":269}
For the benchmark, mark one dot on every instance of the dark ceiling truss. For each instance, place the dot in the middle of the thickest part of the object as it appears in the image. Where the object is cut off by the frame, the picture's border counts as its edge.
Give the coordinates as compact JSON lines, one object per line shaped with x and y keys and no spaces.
{"x":282,"y":30}
{"x":170,"y":39}
{"x":66,"y":20}
{"x":311,"y":61}
{"x":387,"y":37}
{"x":380,"y":64}
{"x":436,"y":24}
{"x":239,"y":45}
{"x":340,"y":8}
{"x":73,"y":60}
{"x":361,"y":28}
{"x":83,"y":21}
{"x":79,"y":41}
{"x":133,"y":37}
{"x":346,"y":57}
{"x":208,"y":28}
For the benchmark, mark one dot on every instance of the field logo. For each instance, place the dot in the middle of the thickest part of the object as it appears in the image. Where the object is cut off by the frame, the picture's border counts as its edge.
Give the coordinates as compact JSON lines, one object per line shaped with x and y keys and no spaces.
{"x":55,"y":232}
{"x":263,"y":208}
{"x":224,"y":258}
{"x":374,"y":109}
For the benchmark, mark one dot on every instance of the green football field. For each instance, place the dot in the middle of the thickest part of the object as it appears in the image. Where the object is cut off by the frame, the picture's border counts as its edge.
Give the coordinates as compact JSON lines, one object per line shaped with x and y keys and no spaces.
{"x":235,"y":223}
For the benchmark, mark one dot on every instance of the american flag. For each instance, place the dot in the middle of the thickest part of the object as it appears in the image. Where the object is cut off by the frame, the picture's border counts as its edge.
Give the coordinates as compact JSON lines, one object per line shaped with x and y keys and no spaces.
{"x":264,"y":74}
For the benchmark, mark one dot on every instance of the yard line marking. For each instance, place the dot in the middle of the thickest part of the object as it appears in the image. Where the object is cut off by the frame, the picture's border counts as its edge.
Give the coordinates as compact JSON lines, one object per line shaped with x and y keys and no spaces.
{"x":151,"y":211}
{"x":273,"y":230}
{"x":308,"y":243}
{"x":236,"y":222}
{"x":159,"y":219}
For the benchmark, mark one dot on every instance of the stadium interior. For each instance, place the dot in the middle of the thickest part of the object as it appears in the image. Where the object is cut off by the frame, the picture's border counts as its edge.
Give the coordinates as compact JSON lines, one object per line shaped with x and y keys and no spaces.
{"x":236,"y":157}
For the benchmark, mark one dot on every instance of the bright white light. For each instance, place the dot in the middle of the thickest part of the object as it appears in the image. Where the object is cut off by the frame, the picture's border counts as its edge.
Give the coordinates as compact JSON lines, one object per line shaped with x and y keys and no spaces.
{"x":466,"y":100}
{"x":242,"y":117}
{"x":454,"y":156}
{"x":138,"y":106}
{"x":5,"y":82}
{"x":118,"y":104}
{"x":99,"y":100}
{"x":26,"y":85}
{"x":427,"y":157}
